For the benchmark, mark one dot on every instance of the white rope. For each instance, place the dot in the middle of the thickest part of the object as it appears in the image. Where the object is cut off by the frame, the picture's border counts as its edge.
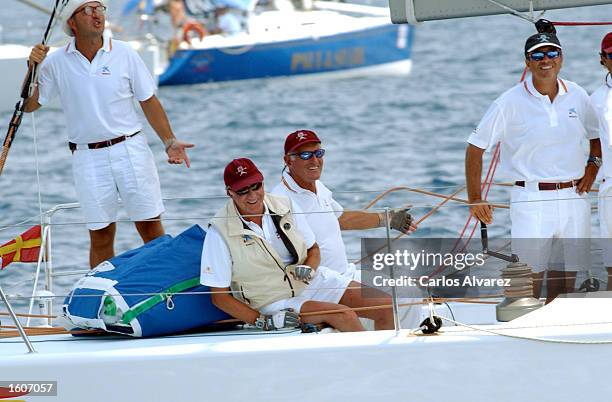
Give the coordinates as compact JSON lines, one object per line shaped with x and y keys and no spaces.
{"x":533,"y":338}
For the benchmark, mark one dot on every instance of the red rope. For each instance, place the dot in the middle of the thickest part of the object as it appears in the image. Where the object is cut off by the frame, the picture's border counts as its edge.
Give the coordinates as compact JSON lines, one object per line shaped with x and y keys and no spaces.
{"x":488,"y":181}
{"x":577,"y":24}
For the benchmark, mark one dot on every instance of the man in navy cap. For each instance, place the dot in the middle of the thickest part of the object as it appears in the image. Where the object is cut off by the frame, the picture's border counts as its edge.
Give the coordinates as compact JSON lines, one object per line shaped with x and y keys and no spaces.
{"x":602,"y":101}
{"x":542,"y":125}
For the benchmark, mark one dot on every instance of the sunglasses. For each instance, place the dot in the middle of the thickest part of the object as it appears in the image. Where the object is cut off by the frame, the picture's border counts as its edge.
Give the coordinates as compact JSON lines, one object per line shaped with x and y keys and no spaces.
{"x":248,"y":189}
{"x":608,"y":55}
{"x":309,"y":154}
{"x":89,"y":10}
{"x":539,"y":56}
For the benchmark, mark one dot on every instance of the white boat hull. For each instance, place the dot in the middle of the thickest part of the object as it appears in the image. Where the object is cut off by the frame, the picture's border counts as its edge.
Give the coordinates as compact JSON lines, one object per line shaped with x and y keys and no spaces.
{"x":459,"y":364}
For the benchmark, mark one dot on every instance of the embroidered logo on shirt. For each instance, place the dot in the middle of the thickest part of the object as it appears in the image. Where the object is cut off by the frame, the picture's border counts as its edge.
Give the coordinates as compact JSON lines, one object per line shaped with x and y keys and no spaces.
{"x":247,"y":240}
{"x":208,"y":270}
{"x":105,"y":70}
{"x":572,"y":113}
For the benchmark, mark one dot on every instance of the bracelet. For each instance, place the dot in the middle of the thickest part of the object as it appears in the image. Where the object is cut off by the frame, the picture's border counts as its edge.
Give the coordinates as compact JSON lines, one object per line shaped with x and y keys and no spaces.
{"x":169,"y":143}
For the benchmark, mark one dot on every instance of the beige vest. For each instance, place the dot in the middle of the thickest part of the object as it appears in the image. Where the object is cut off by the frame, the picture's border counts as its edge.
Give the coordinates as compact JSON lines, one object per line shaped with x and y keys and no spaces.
{"x":259,"y":276}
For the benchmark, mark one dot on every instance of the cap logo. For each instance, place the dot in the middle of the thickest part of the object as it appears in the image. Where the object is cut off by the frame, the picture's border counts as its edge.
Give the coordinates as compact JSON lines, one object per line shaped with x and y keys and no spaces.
{"x":241,"y":170}
{"x":543,"y":37}
{"x":301,"y":136}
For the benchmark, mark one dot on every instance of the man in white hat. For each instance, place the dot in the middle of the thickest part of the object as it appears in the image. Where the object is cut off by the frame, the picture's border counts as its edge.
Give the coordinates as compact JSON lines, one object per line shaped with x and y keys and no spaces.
{"x":97,"y":78}
{"x":543,"y":125}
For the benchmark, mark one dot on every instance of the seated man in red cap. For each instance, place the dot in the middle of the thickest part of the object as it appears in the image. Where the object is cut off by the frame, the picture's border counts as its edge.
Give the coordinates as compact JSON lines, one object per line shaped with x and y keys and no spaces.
{"x":261,"y":259}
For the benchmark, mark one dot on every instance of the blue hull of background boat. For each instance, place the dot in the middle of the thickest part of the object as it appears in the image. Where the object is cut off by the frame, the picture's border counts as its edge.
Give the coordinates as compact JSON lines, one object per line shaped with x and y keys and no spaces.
{"x":356,"y":49}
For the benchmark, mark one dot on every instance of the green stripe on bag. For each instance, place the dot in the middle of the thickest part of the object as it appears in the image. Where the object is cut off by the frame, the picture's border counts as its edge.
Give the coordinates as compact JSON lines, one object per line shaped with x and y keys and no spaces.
{"x":154,"y":300}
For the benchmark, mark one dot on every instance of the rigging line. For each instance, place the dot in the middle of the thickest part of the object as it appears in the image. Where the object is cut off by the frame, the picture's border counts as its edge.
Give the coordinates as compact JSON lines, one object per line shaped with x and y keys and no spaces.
{"x":494,"y":159}
{"x":462,"y":204}
{"x":37,"y":166}
{"x":492,"y":166}
{"x":528,"y":338}
{"x":418,"y":222}
{"x":578,"y":23}
{"x":57,"y":16}
{"x":516,"y":13}
{"x":163,"y":293}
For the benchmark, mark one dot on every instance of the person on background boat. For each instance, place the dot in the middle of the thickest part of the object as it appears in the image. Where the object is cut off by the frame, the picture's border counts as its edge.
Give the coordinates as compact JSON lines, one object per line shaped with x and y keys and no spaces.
{"x":602,"y":101}
{"x":227,"y":21}
{"x":301,"y":182}
{"x":542,"y":124}
{"x":260,"y":246}
{"x":97,"y":79}
{"x":184,"y":28}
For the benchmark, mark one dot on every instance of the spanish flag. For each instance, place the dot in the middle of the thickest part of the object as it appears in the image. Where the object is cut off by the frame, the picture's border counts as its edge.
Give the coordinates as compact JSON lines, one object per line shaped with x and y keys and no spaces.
{"x":24,"y":248}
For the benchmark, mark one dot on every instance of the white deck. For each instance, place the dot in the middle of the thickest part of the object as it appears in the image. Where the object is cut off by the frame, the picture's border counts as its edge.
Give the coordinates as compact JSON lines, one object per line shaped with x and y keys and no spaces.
{"x":459,"y":364}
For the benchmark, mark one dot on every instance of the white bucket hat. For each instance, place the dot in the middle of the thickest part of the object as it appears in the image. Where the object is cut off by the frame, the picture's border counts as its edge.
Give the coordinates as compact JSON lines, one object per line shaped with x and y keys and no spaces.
{"x":70,"y":8}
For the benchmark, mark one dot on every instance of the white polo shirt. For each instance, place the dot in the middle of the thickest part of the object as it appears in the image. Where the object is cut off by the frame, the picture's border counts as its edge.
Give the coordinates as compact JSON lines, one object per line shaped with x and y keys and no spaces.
{"x":540,"y":140}
{"x":216,"y":262}
{"x":602,"y":102}
{"x":97,"y":97}
{"x":322,"y":213}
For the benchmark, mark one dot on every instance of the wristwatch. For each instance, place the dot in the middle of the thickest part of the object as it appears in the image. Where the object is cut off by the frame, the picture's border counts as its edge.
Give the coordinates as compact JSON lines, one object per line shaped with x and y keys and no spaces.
{"x":595,"y":160}
{"x":262,"y":322}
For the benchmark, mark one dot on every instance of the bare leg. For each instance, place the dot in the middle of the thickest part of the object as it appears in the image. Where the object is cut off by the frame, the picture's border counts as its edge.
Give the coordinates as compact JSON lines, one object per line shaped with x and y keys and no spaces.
{"x":149,"y":230}
{"x":559,"y":282}
{"x":383,"y":317}
{"x":102,"y":244}
{"x":609,"y":269}
{"x":346,"y":321}
{"x":538,"y":278}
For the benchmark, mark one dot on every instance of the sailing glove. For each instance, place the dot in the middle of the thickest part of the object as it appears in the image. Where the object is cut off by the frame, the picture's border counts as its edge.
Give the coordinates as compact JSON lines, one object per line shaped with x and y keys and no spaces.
{"x":286,"y":318}
{"x":301,"y":272}
{"x":401,"y":220}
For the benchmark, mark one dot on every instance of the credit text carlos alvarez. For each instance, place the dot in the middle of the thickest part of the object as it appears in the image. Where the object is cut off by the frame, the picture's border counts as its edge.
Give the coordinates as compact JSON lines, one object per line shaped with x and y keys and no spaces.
{"x":428,"y":263}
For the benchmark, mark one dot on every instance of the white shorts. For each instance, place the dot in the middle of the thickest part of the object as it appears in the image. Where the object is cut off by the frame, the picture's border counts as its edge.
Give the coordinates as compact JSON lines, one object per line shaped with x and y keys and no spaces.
{"x":125,"y":170}
{"x":539,"y":217}
{"x":604,"y":207}
{"x":327,"y":286}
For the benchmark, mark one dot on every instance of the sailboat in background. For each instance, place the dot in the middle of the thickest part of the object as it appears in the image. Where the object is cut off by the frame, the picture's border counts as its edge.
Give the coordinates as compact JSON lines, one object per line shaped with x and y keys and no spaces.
{"x":328,"y":37}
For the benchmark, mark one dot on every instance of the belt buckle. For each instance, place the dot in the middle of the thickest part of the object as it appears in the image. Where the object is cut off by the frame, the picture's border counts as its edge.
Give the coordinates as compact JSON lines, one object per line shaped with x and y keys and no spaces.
{"x":558,"y":186}
{"x":108,"y":143}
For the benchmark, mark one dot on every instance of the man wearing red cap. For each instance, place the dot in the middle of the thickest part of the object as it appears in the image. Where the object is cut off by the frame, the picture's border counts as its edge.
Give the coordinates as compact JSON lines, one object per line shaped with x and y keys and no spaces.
{"x":261,"y":259}
{"x":301,"y":183}
{"x":97,"y":80}
{"x":602,"y":101}
{"x":542,"y":125}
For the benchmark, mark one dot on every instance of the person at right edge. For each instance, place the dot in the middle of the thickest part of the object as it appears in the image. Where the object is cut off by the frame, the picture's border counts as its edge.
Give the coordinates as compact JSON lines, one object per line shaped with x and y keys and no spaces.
{"x":602,"y":101}
{"x":542,"y":125}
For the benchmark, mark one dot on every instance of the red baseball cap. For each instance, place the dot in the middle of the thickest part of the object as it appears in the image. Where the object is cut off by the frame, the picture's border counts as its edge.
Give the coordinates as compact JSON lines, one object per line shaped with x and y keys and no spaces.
{"x":606,"y":43}
{"x":241,"y":173}
{"x":298,"y":138}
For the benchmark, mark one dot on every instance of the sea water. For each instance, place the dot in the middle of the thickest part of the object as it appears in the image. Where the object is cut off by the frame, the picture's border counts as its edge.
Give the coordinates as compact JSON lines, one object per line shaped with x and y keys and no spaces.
{"x":379,"y":132}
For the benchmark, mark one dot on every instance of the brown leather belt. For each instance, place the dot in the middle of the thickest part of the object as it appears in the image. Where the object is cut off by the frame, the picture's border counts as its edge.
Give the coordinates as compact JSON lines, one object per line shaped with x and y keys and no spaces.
{"x":549,"y":186}
{"x":102,"y":144}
